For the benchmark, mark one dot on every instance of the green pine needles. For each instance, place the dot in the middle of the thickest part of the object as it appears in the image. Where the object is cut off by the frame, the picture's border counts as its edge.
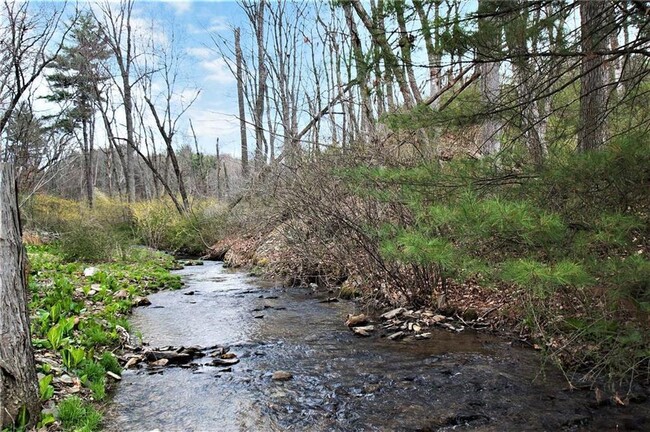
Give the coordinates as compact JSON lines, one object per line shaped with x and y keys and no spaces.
{"x":573,"y":236}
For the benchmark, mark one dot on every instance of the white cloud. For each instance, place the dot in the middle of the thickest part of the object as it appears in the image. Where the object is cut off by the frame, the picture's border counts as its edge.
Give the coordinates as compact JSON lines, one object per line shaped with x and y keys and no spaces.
{"x":210,"y":125}
{"x":200,"y":52}
{"x":217,"y":71}
{"x":181,"y":6}
{"x":218,"y":23}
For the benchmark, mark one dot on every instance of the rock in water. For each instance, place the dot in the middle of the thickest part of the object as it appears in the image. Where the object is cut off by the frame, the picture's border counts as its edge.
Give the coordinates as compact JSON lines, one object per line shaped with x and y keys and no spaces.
{"x":224,"y":362}
{"x":363,"y":331}
{"x":141,"y":301}
{"x":393,"y":313}
{"x":281,"y":376}
{"x":355,"y":320}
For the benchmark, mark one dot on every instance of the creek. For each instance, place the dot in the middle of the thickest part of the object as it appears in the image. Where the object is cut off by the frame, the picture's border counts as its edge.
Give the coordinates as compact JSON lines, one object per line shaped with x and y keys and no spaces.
{"x":341,"y":382}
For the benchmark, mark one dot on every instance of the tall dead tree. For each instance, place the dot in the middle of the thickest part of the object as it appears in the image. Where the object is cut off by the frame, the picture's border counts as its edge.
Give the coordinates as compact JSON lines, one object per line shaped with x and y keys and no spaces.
{"x":18,"y":383}
{"x":117,"y":27}
{"x":241,"y":102}
{"x":26,"y":37}
{"x":379,"y":37}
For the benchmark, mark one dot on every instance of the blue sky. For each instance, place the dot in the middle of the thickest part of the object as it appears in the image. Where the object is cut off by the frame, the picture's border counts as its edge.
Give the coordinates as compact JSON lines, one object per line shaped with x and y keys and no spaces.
{"x":190,"y":27}
{"x":194,"y":24}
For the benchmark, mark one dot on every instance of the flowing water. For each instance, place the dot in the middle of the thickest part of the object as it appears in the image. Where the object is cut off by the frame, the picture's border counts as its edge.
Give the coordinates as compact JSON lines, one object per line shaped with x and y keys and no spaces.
{"x":341,"y":382}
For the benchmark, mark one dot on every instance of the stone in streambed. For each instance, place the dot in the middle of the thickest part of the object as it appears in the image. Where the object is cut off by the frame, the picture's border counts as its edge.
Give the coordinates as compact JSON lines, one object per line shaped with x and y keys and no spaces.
{"x":224,"y":361}
{"x":329,"y":300}
{"x":141,"y":301}
{"x":393,"y":313}
{"x":356,"y":320}
{"x":363,"y":330}
{"x":281,"y":376}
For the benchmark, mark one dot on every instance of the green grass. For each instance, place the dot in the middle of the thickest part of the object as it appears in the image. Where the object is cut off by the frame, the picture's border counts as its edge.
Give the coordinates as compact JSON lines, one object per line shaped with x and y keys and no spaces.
{"x":77,"y":415}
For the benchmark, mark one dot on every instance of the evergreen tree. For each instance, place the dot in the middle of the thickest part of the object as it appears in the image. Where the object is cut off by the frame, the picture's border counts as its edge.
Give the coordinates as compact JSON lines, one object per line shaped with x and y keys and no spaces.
{"x":79,"y":70}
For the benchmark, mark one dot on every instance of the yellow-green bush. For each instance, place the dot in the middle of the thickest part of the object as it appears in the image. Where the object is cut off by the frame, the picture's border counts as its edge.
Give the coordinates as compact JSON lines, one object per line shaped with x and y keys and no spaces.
{"x":101,"y":232}
{"x":160,"y":226}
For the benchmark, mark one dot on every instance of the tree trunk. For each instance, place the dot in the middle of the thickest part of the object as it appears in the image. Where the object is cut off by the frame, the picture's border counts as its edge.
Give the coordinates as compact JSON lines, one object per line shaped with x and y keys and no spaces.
{"x":592,"y":129}
{"x":219,"y":188}
{"x":433,"y":54}
{"x":87,"y":148}
{"x":261,"y":87}
{"x":362,"y":70}
{"x":490,"y":80}
{"x":390,"y":60}
{"x":18,"y":384}
{"x":241,"y":101}
{"x":405,"y":48}
{"x":130,"y":144}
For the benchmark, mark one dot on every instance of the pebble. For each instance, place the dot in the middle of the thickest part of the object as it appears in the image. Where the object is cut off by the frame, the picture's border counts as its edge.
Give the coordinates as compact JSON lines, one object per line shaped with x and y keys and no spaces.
{"x":281,"y":376}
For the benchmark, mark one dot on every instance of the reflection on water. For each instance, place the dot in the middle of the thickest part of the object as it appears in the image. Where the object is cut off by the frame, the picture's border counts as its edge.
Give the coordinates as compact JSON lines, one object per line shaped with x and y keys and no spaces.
{"x":341,"y":382}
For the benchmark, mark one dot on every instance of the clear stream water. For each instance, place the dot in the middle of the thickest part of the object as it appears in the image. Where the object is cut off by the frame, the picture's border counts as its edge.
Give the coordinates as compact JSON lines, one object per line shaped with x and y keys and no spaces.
{"x":466,"y":381}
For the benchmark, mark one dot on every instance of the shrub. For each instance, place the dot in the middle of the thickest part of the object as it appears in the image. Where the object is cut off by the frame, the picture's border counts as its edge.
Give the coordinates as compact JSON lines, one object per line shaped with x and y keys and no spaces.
{"x":160,"y":226}
{"x":88,"y":242}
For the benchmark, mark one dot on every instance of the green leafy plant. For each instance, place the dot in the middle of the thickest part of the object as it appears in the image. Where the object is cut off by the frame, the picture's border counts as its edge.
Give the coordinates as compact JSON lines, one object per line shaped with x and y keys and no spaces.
{"x":46,"y":390}
{"x":72,"y":357}
{"x":57,"y":334}
{"x":110,"y":363}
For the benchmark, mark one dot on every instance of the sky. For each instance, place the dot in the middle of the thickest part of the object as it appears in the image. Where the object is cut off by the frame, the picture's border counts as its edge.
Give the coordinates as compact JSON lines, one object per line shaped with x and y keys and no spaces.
{"x":213,"y":114}
{"x":192,"y":26}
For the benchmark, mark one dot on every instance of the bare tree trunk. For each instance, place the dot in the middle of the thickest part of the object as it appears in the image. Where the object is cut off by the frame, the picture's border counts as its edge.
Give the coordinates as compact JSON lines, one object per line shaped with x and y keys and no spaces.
{"x":87,"y":148}
{"x":122,"y":46}
{"x":241,"y":101}
{"x":261,"y":86}
{"x":219,"y":188}
{"x":490,"y":79}
{"x":18,"y":383}
{"x":362,"y":69}
{"x":405,"y":48}
{"x":592,"y":129}
{"x":433,"y":54}
{"x":379,"y":37}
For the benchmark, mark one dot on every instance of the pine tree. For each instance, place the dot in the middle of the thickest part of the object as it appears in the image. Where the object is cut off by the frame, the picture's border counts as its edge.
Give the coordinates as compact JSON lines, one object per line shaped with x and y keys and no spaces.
{"x":79,"y":70}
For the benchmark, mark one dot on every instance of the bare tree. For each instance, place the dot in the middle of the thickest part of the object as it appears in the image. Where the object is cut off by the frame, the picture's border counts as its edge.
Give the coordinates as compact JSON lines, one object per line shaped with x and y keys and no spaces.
{"x":241,"y":102}
{"x":117,"y":27}
{"x":26,"y":37}
{"x":168,"y":107}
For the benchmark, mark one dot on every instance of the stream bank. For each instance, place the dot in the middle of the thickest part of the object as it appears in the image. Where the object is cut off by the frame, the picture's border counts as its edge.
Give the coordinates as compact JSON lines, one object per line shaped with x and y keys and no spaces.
{"x":339,"y":382}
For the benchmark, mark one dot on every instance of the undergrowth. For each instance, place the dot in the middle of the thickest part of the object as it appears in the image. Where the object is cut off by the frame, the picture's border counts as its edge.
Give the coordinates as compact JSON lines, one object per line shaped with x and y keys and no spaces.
{"x":571,"y":237}
{"x":78,"y":320}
